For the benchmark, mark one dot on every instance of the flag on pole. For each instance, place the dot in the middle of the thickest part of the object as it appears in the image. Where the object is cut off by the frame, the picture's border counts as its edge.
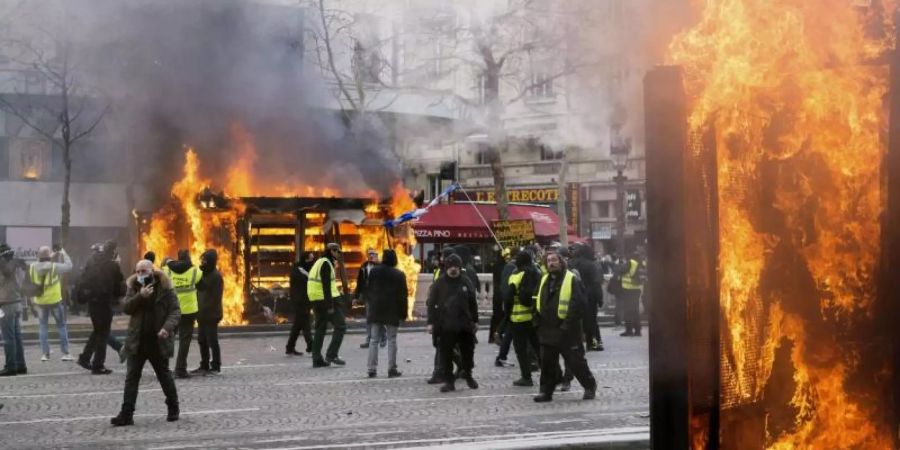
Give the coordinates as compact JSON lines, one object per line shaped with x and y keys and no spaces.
{"x":407,"y":216}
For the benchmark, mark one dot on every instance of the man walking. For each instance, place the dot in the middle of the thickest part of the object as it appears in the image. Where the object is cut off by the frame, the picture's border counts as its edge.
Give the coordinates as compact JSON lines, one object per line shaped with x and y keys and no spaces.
{"x":559,"y":312}
{"x":153,"y":306}
{"x":362,"y":292}
{"x":387,"y":307}
{"x":11,"y":276}
{"x":184,"y":276}
{"x":209,"y":297}
{"x":103,"y":285}
{"x":453,"y":315}
{"x":299,"y":279}
{"x":519,"y":305}
{"x":47,"y":274}
{"x":326,"y":300}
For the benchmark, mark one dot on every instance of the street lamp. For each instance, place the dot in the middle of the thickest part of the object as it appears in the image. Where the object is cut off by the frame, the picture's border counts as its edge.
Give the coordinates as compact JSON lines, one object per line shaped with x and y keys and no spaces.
{"x":619,"y":148}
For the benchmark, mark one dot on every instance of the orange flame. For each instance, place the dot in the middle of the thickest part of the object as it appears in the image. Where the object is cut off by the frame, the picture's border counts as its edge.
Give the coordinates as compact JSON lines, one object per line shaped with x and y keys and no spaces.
{"x":796,"y":104}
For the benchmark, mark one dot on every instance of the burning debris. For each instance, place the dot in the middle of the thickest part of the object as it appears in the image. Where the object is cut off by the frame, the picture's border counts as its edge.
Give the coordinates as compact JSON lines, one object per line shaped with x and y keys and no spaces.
{"x":260,"y":231}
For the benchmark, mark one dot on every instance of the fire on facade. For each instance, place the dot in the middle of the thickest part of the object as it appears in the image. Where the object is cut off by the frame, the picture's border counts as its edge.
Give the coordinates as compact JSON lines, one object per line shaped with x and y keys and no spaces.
{"x":773,"y":205}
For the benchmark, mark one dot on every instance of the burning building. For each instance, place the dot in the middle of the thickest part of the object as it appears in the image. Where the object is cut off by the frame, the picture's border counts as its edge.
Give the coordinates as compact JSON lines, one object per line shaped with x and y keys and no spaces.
{"x":772,"y":198}
{"x":262,"y":231}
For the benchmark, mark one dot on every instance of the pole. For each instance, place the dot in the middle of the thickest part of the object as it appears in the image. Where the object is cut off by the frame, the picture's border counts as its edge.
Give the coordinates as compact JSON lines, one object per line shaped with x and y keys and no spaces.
{"x":620,"y":213}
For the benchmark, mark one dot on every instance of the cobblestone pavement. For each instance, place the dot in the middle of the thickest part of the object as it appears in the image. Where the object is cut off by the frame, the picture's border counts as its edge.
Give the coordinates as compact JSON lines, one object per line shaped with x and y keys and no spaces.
{"x":264,"y":399}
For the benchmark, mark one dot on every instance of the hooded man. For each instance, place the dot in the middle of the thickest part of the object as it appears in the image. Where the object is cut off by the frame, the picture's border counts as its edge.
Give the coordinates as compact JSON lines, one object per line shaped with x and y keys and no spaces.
{"x":558,"y":312}
{"x":102,"y":285}
{"x":47,"y":274}
{"x":437,"y":374}
{"x":326,"y":300}
{"x":209,"y":314}
{"x":153,"y":306}
{"x":184,"y":276}
{"x":11,"y":276}
{"x":361,"y":293}
{"x":300,"y":300}
{"x":453,"y":315}
{"x":584,"y":262}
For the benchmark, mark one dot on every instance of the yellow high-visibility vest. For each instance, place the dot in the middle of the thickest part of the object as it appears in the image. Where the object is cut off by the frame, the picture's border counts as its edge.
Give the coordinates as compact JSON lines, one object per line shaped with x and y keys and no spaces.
{"x":314,"y":289}
{"x":628,"y":278}
{"x":437,"y":274}
{"x":565,"y":295}
{"x":52,"y":287}
{"x":520,"y":313}
{"x":186,"y":288}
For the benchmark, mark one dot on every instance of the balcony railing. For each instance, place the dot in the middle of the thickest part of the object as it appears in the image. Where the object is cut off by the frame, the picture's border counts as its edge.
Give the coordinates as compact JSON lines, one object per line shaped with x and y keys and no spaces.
{"x":579,"y":171}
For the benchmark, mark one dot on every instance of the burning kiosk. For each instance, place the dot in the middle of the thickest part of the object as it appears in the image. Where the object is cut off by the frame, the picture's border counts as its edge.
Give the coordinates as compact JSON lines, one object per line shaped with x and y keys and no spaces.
{"x":774,"y":220}
{"x":259,"y":237}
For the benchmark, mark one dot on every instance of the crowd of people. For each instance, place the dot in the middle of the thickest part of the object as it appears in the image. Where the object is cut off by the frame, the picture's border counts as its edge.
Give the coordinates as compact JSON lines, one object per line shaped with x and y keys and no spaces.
{"x":545,"y":305}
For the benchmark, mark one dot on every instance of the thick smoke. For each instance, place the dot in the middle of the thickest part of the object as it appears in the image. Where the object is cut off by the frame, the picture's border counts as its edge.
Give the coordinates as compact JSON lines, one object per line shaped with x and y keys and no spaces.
{"x":196,"y":73}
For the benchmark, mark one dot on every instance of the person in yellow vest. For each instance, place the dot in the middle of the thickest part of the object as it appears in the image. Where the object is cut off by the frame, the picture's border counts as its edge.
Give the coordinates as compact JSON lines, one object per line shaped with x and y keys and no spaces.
{"x":325,"y":297}
{"x":46,"y":273}
{"x":185,"y":276}
{"x":519,"y":306}
{"x":559,"y":308}
{"x":632,"y":275}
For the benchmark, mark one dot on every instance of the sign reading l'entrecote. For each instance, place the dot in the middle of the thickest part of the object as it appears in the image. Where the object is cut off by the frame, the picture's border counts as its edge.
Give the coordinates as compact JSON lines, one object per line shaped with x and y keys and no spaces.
{"x":513,"y":233}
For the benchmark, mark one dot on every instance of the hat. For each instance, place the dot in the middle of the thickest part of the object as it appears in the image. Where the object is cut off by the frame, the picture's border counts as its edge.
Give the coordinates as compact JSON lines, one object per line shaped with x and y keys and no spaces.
{"x":453,"y":261}
{"x":523,"y":259}
{"x":150,"y":256}
{"x":44,"y":252}
{"x":333,"y":246}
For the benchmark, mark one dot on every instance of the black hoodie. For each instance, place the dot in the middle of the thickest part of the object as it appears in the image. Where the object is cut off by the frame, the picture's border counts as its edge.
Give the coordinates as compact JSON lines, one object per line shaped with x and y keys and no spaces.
{"x":210,"y":288}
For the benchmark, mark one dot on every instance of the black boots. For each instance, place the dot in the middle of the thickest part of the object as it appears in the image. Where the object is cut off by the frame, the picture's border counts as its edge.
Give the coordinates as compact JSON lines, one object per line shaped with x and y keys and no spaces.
{"x":174,"y":411}
{"x":394,"y":373}
{"x":543,"y":397}
{"x":449,"y":386}
{"x":124,"y":419}
{"x":523,"y":382}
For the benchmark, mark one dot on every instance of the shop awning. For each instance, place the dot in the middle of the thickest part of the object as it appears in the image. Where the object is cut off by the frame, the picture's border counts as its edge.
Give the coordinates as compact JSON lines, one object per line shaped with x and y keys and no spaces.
{"x":460,"y":222}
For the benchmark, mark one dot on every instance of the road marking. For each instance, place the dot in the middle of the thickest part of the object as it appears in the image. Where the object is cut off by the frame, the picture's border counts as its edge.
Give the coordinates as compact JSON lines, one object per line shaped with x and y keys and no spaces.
{"x":84,"y":418}
{"x":450,"y":397}
{"x":351,"y":380}
{"x":86,"y":372}
{"x":597,"y":435}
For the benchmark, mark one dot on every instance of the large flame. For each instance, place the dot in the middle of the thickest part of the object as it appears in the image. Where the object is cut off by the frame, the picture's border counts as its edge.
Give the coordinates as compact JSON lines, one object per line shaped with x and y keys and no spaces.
{"x":797,"y":106}
{"x":217,"y":227}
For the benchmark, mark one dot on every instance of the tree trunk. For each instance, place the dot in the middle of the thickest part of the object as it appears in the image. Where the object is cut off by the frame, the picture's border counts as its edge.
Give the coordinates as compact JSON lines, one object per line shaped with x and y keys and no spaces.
{"x":496,"y":139}
{"x":493,"y":157}
{"x":66,"y":206}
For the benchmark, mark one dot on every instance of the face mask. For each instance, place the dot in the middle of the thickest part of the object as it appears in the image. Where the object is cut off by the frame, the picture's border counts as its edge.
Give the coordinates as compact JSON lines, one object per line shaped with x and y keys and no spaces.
{"x":143,"y":279}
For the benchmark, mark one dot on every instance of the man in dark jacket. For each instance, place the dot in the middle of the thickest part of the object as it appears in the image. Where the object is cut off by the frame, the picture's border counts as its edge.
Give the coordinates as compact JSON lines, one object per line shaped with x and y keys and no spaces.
{"x":505,"y":335}
{"x":103,"y":285}
{"x":153,"y":306}
{"x":298,"y":279}
{"x":361,"y":293}
{"x":387,"y":307}
{"x":453,"y":315}
{"x":518,"y":305}
{"x":584,"y":262}
{"x":558,"y":314}
{"x":12,"y":274}
{"x":209,"y":296}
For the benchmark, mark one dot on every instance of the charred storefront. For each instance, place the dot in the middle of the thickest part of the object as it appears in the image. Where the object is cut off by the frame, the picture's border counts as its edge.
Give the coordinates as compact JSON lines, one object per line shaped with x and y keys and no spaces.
{"x":774,"y":228}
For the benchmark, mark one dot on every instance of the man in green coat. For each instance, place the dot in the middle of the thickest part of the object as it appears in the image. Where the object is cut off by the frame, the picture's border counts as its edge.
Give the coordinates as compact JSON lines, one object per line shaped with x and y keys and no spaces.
{"x":153,"y":306}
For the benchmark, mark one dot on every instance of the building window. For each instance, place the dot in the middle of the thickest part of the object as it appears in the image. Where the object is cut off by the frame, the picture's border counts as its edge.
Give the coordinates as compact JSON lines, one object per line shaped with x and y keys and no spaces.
{"x":29,"y":159}
{"x":541,"y":86}
{"x":481,"y":154}
{"x":480,"y":88}
{"x":602,"y":210}
{"x":548,"y":154}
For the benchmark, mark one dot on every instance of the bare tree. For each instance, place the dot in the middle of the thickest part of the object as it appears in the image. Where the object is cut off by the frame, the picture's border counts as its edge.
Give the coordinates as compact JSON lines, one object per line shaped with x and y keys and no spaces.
{"x":66,"y":116}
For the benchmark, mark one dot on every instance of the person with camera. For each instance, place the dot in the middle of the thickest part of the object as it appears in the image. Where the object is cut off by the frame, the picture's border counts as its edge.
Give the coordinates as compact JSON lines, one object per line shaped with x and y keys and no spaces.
{"x":153,"y":306}
{"x":12,"y":276}
{"x":47,"y":274}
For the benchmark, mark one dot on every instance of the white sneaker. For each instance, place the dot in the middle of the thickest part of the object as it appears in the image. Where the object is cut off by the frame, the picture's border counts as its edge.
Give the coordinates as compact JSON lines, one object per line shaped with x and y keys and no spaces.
{"x":45,"y":358}
{"x":67,"y":357}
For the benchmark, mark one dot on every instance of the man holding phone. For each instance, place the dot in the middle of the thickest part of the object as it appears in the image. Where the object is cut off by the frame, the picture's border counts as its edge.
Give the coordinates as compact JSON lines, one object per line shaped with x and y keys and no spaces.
{"x":153,"y":306}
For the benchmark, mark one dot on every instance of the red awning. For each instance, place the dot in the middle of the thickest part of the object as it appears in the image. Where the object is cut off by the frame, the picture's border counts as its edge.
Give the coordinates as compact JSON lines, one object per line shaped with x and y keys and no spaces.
{"x":460,"y":222}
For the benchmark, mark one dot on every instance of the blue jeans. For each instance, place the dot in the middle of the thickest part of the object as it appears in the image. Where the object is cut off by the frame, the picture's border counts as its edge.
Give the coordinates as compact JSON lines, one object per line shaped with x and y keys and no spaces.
{"x":59,"y":316}
{"x":11,"y":328}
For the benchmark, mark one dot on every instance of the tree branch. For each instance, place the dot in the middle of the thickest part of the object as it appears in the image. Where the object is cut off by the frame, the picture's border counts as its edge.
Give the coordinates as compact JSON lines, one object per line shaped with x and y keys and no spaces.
{"x":90,"y":129}
{"x":330,"y":53}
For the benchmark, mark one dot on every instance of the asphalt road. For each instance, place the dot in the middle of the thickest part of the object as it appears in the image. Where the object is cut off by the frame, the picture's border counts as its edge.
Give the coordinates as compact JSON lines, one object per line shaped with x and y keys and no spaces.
{"x":266,"y":400}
